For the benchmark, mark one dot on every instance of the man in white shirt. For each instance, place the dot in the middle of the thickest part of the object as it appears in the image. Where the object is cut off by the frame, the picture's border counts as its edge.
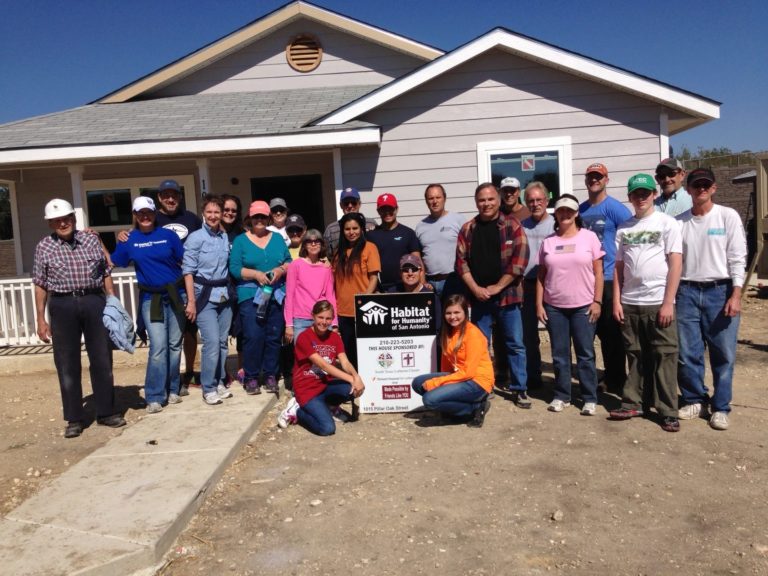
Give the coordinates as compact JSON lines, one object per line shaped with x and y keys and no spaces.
{"x":649,"y":257}
{"x":709,"y":300}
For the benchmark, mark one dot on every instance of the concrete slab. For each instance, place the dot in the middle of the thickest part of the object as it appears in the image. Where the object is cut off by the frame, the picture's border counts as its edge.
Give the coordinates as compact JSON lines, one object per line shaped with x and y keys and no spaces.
{"x":120,"y":509}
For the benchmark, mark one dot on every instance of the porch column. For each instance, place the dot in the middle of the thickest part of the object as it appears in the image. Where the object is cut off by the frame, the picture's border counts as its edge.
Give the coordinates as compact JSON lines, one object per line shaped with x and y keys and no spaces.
{"x":202,"y":173}
{"x":338,"y":181}
{"x":664,"y":135}
{"x":76,"y":178}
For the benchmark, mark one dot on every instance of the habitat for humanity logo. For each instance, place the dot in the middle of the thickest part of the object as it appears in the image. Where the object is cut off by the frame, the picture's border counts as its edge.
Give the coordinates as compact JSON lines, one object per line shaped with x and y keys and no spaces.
{"x":374,"y":313}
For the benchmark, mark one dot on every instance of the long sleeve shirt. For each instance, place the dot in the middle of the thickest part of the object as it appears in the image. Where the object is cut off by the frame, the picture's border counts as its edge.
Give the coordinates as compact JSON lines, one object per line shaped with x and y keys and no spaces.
{"x":206,"y":254}
{"x":514,"y":255}
{"x":470,"y":362}
{"x":306,"y":284}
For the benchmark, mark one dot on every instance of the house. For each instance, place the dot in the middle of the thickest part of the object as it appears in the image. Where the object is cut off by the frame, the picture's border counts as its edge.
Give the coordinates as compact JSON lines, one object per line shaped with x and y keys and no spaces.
{"x":305,"y":101}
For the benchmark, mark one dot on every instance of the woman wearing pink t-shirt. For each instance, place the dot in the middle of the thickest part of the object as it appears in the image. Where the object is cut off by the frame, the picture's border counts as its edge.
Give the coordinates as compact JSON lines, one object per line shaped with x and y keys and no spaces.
{"x":309,"y":280}
{"x":569,"y":292}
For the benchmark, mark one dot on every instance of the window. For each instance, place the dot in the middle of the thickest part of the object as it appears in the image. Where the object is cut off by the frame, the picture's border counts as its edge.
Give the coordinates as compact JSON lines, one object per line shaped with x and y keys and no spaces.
{"x":546,"y":160}
{"x":109,"y":202}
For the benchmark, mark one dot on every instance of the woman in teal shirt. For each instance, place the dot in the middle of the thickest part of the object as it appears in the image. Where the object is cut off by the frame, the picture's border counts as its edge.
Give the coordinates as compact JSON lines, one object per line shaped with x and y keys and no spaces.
{"x":258,"y":259}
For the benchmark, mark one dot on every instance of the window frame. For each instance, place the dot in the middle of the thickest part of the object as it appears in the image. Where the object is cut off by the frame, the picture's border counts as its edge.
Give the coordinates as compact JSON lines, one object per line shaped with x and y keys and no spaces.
{"x":562,"y":144}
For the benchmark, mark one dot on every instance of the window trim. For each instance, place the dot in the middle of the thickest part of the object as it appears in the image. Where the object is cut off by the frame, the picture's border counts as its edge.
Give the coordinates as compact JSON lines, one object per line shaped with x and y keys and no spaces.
{"x":562,"y":144}
{"x":135,"y":185}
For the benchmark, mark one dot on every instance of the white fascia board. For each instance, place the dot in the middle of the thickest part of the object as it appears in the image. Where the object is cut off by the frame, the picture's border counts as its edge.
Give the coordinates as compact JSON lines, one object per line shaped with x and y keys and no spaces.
{"x":532,"y":50}
{"x":357,"y":137}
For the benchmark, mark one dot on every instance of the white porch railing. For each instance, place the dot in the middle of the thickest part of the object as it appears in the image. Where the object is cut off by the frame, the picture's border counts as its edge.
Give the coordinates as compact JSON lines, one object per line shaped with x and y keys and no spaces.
{"x":18,"y":317}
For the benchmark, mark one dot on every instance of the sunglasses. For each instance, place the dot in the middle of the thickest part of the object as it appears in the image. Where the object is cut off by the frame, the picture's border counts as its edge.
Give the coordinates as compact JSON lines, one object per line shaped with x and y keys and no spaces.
{"x":701,"y":185}
{"x":230,"y":210}
{"x":295,"y":232}
{"x":664,"y":175}
{"x":350,"y":203}
{"x":278,"y":210}
{"x":313,"y":241}
{"x":409,"y":269}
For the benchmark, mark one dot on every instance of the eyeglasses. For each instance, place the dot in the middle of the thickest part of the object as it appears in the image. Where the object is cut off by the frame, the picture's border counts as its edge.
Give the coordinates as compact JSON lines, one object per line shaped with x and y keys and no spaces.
{"x":230,"y":210}
{"x":313,"y":241}
{"x":536,"y":201}
{"x":409,"y":269}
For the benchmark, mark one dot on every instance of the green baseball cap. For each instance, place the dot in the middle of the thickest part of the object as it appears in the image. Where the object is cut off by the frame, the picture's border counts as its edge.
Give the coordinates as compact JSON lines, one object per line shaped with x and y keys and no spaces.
{"x":641,"y":182}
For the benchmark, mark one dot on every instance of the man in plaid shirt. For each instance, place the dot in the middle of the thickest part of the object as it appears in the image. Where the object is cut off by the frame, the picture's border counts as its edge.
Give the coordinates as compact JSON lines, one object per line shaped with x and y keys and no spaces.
{"x":70,"y":274}
{"x":491,"y":256}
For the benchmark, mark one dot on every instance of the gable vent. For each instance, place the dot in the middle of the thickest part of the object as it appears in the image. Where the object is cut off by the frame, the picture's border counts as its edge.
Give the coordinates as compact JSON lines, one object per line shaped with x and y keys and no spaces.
{"x":304,"y":53}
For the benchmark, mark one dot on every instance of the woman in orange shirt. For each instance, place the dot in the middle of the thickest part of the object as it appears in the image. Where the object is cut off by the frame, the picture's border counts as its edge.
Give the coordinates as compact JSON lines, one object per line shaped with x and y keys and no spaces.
{"x":356,"y":268}
{"x":461,"y":389}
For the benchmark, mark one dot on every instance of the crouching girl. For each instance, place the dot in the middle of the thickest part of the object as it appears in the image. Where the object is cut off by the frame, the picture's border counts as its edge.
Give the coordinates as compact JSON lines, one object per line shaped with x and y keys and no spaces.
{"x":323,"y":377}
{"x":461,"y":389}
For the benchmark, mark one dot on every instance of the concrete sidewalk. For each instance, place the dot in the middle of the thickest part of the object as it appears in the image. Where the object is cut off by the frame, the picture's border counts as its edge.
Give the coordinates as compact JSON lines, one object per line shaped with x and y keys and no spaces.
{"x":119,"y":510}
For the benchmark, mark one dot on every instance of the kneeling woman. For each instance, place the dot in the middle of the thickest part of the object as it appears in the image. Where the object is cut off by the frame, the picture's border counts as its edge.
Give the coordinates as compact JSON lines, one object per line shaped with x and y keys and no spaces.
{"x":461,"y":389}
{"x":322,"y":375}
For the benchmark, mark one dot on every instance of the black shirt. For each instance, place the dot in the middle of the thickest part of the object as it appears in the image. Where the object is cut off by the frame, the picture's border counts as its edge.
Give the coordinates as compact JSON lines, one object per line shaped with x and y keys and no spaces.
{"x":485,"y":257}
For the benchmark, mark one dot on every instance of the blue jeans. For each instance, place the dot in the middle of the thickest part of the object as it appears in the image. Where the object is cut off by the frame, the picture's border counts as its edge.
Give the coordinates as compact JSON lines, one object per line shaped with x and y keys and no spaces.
{"x":164,"y":352}
{"x":531,"y":332}
{"x":564,"y":325}
{"x":511,"y":322}
{"x":316,"y":415}
{"x":213,"y":321}
{"x":460,"y":399}
{"x":261,"y":339}
{"x":299,"y":325}
{"x":700,"y":320}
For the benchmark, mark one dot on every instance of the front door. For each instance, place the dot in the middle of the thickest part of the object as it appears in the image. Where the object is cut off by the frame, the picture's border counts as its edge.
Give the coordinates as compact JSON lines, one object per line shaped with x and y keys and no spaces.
{"x":303,"y":194}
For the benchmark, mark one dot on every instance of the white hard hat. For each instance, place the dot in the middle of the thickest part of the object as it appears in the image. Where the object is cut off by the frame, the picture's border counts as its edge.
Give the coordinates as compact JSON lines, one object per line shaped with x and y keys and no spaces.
{"x":57,"y":208}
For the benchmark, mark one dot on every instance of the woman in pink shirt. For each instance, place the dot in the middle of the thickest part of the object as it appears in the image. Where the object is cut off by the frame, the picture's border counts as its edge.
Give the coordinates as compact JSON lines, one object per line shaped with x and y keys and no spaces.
{"x":569,"y":292}
{"x":309,"y":280}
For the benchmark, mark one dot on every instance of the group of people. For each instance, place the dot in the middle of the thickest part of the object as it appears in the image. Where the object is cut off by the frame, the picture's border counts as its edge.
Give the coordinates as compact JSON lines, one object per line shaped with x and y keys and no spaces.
{"x":643,"y":283}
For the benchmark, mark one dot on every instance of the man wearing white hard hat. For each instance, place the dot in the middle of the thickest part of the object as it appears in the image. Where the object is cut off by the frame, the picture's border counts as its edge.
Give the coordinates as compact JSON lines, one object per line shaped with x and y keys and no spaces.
{"x":71,"y":274}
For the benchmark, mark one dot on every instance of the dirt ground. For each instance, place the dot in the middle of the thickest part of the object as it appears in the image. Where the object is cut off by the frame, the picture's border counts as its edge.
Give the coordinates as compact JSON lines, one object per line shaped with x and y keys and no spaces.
{"x":532,"y":492}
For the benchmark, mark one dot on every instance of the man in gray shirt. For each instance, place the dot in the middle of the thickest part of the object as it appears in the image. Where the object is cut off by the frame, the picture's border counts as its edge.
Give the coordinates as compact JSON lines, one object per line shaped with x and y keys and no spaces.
{"x":537,"y":226}
{"x":437,"y":234}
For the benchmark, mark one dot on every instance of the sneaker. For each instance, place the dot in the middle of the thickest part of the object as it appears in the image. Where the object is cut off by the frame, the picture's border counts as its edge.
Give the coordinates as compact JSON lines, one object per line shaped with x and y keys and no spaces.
{"x":241,"y":376}
{"x":719,"y":421}
{"x":223,"y":391}
{"x":183,"y":390}
{"x":114,"y":421}
{"x":589,"y":409}
{"x":478,"y":417}
{"x":689,"y":412}
{"x":154,"y":407}
{"x":339,"y":415}
{"x":625,"y":413}
{"x":670,"y":424}
{"x":176,"y":398}
{"x":521,"y":400}
{"x":557,"y":405}
{"x":252,"y":387}
{"x":270,"y":383}
{"x":73,"y":429}
{"x":288,"y":416}
{"x":212,"y":398}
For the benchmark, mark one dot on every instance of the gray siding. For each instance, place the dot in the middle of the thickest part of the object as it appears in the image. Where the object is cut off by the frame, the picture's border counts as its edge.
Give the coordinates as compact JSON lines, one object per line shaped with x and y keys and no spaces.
{"x":347,"y":61}
{"x":431,"y":134}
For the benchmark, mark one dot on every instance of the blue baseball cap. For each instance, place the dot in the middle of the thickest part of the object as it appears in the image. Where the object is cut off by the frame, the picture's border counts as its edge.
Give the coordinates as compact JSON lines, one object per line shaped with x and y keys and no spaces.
{"x":348,"y":193}
{"x":169,"y":185}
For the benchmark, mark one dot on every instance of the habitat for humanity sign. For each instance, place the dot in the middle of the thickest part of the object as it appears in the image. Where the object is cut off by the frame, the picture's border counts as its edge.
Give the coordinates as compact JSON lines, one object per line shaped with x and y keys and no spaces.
{"x":395,"y":343}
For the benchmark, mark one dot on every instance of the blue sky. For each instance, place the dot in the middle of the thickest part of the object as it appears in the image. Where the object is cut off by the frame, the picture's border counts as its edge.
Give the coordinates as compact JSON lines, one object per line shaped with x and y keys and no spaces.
{"x":58,"y":54}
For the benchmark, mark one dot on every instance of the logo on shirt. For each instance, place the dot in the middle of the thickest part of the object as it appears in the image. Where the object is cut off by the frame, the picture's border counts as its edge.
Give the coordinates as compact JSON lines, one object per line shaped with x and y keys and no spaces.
{"x":180,"y":230}
{"x":716,"y":232}
{"x":565,"y":249}
{"x":641,"y":237}
{"x":374,"y":313}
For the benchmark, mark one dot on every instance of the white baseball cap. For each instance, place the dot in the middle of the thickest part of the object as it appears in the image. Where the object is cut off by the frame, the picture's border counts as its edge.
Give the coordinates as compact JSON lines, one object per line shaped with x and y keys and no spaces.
{"x":143,"y":203}
{"x":510,"y":182}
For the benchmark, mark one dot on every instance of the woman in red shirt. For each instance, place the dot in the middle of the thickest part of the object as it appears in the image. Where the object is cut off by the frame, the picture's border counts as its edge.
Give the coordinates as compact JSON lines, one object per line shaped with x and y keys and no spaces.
{"x":461,"y":389}
{"x":322,"y":375}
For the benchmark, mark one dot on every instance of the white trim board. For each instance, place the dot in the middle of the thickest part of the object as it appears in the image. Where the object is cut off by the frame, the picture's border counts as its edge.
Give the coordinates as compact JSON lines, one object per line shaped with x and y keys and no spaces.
{"x":532,"y":50}
{"x":361,"y":136}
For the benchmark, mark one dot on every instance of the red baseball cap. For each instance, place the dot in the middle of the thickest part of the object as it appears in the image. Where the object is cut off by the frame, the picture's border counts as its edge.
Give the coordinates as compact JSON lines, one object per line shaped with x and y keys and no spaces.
{"x":386,"y":200}
{"x":597,"y":167}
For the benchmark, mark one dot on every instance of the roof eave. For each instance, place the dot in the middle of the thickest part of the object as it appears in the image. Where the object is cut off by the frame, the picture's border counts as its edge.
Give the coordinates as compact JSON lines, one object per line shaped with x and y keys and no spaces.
{"x":256,"y":29}
{"x":546,"y":54}
{"x":180,"y":148}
